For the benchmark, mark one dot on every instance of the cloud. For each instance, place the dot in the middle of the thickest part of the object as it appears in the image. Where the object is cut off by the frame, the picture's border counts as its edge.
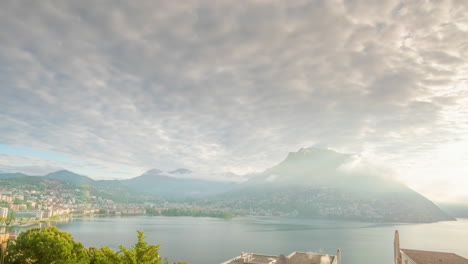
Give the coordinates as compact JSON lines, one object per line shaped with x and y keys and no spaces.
{"x":231,"y":87}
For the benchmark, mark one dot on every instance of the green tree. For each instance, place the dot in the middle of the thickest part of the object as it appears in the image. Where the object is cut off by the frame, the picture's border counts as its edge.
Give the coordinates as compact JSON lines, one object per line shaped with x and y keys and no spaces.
{"x":141,"y":252}
{"x":103,"y":255}
{"x":46,"y":246}
{"x":18,"y":201}
{"x":9,"y":219}
{"x":102,"y":211}
{"x":151,"y":211}
{"x":53,"y":246}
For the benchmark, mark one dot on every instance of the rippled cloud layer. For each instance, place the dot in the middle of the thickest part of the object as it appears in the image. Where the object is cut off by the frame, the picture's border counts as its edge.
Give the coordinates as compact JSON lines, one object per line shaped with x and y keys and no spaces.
{"x":229,"y":86}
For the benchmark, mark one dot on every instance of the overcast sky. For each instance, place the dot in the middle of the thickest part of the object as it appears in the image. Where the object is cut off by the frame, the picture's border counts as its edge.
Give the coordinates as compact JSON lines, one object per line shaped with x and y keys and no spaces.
{"x":111,"y":89}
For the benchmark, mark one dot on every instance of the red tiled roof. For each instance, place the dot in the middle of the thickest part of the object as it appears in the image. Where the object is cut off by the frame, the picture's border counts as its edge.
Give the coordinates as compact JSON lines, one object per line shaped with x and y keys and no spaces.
{"x":432,"y":257}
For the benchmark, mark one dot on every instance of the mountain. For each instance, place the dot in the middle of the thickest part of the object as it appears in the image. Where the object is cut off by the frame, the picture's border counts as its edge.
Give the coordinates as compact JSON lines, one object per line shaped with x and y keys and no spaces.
{"x":156,"y":182}
{"x":63,"y":175}
{"x":70,"y":177}
{"x":11,"y":175}
{"x":308,"y":165}
{"x":153,"y":183}
{"x":323,"y":168}
{"x":314,"y":182}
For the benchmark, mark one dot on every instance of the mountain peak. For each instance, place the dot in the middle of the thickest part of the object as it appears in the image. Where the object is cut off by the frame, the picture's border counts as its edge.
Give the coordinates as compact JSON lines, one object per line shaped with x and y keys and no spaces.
{"x":66,"y":175}
{"x":62,"y":172}
{"x":315,"y":153}
{"x":311,"y":166}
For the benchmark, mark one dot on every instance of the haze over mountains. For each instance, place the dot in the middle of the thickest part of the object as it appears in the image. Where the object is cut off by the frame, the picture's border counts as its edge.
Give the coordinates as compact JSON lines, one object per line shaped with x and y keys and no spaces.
{"x":321,"y":168}
{"x":314,"y":182}
{"x":156,"y":182}
{"x":311,"y":182}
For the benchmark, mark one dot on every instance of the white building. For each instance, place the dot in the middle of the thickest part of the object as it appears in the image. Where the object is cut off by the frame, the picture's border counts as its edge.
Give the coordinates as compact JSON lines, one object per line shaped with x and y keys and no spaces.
{"x":3,"y":212}
{"x":293,"y":258}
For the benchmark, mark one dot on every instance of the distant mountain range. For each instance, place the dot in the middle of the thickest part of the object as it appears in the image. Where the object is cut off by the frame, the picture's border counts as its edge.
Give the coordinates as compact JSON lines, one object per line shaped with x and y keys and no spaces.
{"x":156,"y":182}
{"x":6,"y":175}
{"x":311,"y":182}
{"x":69,"y":176}
{"x":153,"y":182}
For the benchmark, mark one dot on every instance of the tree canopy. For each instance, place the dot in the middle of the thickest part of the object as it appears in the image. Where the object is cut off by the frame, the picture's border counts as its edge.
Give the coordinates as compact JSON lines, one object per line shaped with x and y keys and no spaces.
{"x":46,"y":246}
{"x":53,"y":246}
{"x":8,"y":219}
{"x":141,"y":252}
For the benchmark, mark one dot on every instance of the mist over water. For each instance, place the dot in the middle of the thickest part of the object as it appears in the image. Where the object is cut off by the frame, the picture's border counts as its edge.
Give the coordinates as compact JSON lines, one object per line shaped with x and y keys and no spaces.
{"x":211,"y":240}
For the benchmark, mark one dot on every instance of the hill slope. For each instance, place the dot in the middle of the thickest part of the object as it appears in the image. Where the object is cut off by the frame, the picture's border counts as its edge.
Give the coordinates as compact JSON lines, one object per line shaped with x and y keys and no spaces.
{"x":12,"y":175}
{"x":71,"y":177}
{"x":155,"y":182}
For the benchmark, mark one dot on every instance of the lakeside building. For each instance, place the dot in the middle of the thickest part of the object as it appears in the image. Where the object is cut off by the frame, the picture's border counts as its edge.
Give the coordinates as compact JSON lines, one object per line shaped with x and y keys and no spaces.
{"x":29,"y":214}
{"x":293,"y":258}
{"x":3,"y":212}
{"x":412,"y":256}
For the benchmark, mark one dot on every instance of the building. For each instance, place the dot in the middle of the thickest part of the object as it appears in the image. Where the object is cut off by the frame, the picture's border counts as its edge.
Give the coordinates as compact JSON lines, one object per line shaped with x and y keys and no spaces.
{"x":39,"y":214}
{"x":4,"y":212}
{"x":48,"y":213}
{"x":411,"y":256}
{"x":293,"y":258}
{"x":4,"y":237}
{"x":31,"y":214}
{"x":6,"y":198}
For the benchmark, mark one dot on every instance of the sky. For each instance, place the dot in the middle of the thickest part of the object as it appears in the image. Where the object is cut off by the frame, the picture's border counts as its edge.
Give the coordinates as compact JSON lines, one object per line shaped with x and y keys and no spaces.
{"x":110,"y":89}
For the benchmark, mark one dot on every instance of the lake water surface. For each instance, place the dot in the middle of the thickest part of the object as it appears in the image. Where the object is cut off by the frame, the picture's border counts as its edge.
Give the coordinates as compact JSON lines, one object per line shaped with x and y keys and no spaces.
{"x":212,"y":241}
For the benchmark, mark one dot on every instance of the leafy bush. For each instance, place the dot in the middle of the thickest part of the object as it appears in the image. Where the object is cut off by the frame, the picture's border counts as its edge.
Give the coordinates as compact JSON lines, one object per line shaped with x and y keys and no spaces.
{"x":53,"y":246}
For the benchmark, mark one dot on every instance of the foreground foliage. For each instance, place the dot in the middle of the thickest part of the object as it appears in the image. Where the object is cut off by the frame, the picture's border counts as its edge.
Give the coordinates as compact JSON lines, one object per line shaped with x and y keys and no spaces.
{"x":53,"y":246}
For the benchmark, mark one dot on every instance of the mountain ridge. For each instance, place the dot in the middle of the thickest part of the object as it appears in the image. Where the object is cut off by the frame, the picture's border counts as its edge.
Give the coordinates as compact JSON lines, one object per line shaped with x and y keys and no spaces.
{"x":69,"y":176}
{"x":310,"y":182}
{"x":156,"y":182}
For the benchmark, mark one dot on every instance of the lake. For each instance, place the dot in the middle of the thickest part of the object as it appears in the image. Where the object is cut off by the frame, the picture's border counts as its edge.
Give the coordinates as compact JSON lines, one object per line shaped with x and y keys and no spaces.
{"x":212,"y":240}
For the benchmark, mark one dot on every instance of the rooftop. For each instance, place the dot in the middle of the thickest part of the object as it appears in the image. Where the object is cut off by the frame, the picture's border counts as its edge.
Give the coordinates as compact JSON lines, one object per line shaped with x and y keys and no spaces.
{"x":433,"y":257}
{"x":293,"y":258}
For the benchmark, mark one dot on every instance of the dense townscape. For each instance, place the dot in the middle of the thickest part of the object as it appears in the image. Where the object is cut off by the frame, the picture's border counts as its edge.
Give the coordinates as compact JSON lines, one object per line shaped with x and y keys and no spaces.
{"x":34,"y":199}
